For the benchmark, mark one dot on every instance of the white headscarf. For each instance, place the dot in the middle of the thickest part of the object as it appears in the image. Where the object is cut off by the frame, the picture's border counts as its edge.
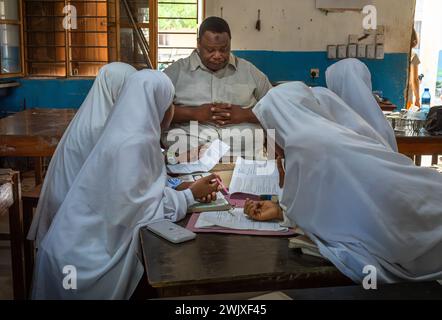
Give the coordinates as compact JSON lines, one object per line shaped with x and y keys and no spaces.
{"x":350,"y":79}
{"x":119,"y":189}
{"x":333,"y":108}
{"x":362,"y":203}
{"x":77,"y":143}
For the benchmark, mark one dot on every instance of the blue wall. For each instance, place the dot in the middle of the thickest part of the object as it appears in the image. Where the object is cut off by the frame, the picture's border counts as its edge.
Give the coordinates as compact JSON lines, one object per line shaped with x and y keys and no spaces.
{"x":46,"y":93}
{"x":388,"y":75}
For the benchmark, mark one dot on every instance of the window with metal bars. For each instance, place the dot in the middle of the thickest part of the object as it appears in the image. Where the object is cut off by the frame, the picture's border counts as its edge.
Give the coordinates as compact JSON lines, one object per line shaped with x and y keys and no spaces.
{"x":178,"y":22}
{"x":53,"y":50}
{"x":10,"y":38}
{"x":105,"y":32}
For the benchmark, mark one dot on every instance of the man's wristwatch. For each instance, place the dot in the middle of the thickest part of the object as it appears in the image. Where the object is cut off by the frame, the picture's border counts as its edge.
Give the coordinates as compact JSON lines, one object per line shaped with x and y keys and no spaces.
{"x":171,"y":158}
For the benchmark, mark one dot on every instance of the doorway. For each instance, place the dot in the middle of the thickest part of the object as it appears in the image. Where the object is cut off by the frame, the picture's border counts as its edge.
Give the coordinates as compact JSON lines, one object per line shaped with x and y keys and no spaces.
{"x":428,"y":26}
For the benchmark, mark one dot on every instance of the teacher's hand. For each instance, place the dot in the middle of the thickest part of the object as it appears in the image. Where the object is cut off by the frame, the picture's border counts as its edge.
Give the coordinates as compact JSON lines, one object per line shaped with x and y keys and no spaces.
{"x":228,"y":114}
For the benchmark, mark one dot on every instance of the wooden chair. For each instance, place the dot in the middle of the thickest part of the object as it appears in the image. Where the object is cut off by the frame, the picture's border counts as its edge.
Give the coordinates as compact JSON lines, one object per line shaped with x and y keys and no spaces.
{"x":10,"y":193}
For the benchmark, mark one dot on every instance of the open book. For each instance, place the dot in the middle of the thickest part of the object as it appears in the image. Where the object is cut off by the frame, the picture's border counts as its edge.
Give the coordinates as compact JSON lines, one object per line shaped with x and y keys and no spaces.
{"x":255,"y":178}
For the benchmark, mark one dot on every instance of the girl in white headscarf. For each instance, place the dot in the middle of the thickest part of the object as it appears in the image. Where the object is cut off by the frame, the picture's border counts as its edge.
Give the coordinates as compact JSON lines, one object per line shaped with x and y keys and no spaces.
{"x":120,"y":188}
{"x":333,"y":108}
{"x":360,"y":202}
{"x":77,"y":143}
{"x":350,"y":79}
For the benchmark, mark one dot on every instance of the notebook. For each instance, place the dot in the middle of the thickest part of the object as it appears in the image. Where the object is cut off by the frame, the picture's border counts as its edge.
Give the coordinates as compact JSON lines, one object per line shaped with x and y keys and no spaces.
{"x":307,"y":246}
{"x":221,"y":204}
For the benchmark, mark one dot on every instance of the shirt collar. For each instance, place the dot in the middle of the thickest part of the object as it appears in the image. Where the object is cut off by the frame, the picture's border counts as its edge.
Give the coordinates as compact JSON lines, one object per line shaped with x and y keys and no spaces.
{"x":195,"y":62}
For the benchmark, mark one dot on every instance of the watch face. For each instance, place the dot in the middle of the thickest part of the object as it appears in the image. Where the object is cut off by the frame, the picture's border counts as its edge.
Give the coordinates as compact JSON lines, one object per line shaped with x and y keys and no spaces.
{"x":171,"y":158}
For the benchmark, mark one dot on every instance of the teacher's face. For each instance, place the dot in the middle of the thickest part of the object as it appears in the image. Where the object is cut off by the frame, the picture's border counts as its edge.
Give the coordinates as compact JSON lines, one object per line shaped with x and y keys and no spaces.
{"x":214,"y":50}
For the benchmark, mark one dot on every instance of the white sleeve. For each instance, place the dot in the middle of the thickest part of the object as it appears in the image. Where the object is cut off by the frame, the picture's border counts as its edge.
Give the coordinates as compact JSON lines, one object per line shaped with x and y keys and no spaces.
{"x":287,"y":222}
{"x":176,"y":203}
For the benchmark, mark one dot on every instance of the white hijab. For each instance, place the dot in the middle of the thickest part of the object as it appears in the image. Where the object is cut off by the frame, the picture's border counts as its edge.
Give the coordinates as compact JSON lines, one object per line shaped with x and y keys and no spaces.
{"x":350,"y":79}
{"x":119,"y":189}
{"x":333,"y":108}
{"x":77,"y":143}
{"x":362,"y":203}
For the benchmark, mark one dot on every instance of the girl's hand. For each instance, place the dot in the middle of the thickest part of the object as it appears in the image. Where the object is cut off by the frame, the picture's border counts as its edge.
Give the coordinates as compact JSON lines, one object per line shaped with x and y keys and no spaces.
{"x":263,"y":210}
{"x":205,"y":189}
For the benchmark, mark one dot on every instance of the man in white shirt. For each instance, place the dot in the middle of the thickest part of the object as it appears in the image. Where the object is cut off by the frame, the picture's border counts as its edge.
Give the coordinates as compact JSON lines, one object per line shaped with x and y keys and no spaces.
{"x":218,"y":90}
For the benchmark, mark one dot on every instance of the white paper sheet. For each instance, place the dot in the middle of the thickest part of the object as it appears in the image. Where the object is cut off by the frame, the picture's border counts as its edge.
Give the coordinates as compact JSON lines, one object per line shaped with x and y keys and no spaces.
{"x":235,"y":219}
{"x":255,"y":177}
{"x":210,"y":159}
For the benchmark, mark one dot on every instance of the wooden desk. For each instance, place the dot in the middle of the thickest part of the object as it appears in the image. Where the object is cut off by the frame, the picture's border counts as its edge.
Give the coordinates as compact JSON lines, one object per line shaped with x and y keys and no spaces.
{"x":419,"y":145}
{"x":220,"y":263}
{"x":33,"y":133}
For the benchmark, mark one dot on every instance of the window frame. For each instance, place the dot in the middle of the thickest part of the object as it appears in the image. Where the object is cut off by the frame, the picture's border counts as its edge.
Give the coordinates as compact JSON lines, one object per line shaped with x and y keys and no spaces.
{"x":21,"y":34}
{"x":200,"y":15}
{"x":113,"y":21}
{"x":68,"y":46}
{"x":152,"y":26}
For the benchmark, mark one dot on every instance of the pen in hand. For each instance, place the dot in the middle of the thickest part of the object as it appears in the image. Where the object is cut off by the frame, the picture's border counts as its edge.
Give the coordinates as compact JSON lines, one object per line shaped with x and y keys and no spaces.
{"x":222,"y":186}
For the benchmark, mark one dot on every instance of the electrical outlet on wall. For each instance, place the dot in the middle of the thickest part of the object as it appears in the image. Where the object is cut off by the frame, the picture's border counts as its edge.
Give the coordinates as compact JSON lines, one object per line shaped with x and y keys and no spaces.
{"x":314,"y":73}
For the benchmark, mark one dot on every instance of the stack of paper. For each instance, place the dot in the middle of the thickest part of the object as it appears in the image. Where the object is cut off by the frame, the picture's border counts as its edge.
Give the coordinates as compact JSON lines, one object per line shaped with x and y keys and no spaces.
{"x":306,"y":245}
{"x":210,"y":159}
{"x":255,"y":177}
{"x":235,"y":219}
